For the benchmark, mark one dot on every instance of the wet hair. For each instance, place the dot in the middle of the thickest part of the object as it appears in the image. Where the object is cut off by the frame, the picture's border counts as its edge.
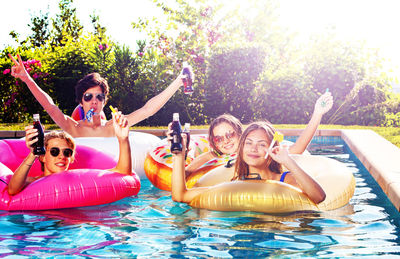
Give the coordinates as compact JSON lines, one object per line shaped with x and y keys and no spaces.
{"x":241,"y":167}
{"x":61,"y":135}
{"x":89,"y":81}
{"x":227,"y":118}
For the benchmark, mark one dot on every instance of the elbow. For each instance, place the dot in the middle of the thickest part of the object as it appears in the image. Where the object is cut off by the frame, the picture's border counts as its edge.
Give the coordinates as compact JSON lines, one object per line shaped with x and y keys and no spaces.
{"x":12,"y":191}
{"x":319,"y":198}
{"x":177,"y":198}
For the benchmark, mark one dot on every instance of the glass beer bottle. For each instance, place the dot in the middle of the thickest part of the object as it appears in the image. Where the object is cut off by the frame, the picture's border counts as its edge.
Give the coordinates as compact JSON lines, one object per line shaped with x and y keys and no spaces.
{"x":186,"y":130}
{"x":187,"y":79}
{"x":176,"y":142}
{"x":38,"y":146}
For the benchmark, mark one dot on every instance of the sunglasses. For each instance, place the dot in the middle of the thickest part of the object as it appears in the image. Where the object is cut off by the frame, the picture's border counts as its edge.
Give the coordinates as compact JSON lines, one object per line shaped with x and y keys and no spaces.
{"x":55,"y":151}
{"x":228,"y":135}
{"x":88,"y":96}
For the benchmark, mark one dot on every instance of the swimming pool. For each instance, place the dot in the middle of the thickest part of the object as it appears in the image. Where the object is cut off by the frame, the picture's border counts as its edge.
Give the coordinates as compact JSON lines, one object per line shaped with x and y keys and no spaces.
{"x":152,"y":225}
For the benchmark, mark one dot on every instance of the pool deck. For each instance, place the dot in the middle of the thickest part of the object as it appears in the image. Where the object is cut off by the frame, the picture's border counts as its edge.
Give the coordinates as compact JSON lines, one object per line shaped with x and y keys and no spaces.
{"x":380,"y":157}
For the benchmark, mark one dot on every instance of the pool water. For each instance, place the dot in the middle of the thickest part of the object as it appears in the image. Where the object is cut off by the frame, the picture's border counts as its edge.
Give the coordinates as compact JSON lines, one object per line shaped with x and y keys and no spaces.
{"x":152,"y":225}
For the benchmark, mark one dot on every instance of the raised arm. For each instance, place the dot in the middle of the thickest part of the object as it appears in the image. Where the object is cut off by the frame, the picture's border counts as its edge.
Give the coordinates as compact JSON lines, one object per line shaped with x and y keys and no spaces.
{"x":298,"y":177}
{"x":18,"y":71}
{"x":156,"y":103}
{"x":179,"y":191}
{"x":121,"y":128}
{"x":20,"y":177}
{"x":322,"y":106}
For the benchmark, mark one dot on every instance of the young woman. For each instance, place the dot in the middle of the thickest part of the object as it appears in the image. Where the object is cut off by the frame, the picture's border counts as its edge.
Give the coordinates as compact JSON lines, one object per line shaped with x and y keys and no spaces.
{"x":224,"y":133}
{"x":91,"y":93}
{"x":60,"y":151}
{"x":252,"y":165}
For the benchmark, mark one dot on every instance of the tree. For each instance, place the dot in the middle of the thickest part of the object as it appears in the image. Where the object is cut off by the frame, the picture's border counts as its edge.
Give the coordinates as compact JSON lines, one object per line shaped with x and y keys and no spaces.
{"x":231,"y":80}
{"x":66,"y":25}
{"x":40,"y":31}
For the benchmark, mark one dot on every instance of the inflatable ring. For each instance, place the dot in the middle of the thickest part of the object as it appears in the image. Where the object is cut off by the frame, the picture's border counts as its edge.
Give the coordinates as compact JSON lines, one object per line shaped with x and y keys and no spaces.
{"x":276,"y":197}
{"x":140,"y":143}
{"x":158,"y":162}
{"x":72,"y":188}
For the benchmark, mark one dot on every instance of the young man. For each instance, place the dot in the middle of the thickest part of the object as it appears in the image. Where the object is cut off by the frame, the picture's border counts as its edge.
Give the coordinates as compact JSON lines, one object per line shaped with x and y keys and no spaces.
{"x":92,"y":91}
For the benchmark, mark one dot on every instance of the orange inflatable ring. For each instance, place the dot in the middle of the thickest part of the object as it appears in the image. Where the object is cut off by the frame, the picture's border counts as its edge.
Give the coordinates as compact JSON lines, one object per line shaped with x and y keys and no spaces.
{"x":277,"y":197}
{"x":158,"y":162}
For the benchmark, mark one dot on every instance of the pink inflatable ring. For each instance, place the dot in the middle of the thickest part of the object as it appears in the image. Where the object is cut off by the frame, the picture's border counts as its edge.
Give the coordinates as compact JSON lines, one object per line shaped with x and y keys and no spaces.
{"x":73,"y":188}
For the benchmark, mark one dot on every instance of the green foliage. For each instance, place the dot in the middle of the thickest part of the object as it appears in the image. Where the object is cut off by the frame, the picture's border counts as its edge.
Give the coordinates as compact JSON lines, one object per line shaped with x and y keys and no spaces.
{"x":66,"y":65}
{"x":124,"y":92}
{"x":283,"y":96}
{"x":392,"y":120}
{"x":244,"y":64}
{"x":17,"y":102}
{"x":40,"y":31}
{"x":66,"y":25}
{"x":230,"y":81}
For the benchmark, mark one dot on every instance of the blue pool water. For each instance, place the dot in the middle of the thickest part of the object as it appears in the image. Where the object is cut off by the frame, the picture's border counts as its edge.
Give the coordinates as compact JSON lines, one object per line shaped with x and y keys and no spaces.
{"x":152,"y":225}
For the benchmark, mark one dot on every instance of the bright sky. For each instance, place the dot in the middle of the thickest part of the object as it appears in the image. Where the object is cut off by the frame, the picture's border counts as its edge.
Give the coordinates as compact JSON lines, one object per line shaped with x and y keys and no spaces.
{"x":115,"y":15}
{"x":373,"y":20}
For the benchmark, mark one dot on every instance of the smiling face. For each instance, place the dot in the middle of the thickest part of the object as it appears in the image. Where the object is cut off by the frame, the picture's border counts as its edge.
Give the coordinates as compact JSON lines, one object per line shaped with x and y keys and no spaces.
{"x":96,"y":102}
{"x":255,"y":147}
{"x":55,"y":164}
{"x":225,"y":138}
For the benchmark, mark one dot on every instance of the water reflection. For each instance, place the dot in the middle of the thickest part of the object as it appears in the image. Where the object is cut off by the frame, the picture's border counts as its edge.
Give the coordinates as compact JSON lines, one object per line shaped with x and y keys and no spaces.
{"x":152,"y":225}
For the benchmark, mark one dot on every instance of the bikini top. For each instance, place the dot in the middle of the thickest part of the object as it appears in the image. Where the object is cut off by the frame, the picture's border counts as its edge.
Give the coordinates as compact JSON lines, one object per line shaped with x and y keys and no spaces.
{"x":231,"y":162}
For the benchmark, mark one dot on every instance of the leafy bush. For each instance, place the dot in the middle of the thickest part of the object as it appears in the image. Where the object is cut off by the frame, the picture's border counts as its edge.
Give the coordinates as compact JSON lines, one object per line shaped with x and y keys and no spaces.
{"x":230,"y":81}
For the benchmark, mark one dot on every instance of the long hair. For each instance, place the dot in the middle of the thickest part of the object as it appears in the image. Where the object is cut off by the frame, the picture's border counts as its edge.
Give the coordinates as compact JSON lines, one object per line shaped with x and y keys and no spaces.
{"x":227,"y":118}
{"x":241,"y":167}
{"x":61,"y":135}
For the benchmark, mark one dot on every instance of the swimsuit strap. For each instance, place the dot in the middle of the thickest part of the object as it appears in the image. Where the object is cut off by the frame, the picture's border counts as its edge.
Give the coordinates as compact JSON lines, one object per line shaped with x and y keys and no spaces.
{"x":230,"y":163}
{"x":283,"y":176}
{"x":247,"y":177}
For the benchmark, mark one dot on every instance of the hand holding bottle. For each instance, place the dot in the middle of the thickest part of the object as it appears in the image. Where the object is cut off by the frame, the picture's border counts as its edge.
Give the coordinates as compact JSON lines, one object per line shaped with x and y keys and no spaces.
{"x":187,"y":78}
{"x":30,"y":137}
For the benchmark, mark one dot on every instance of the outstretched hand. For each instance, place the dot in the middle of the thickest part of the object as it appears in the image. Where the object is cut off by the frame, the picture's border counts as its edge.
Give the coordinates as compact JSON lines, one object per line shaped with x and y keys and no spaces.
{"x":18,"y":70}
{"x":120,"y":123}
{"x":324,"y":103}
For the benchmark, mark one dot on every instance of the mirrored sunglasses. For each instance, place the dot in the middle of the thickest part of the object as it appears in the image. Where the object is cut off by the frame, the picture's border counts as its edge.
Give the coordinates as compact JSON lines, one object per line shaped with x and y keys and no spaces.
{"x":228,"y":135}
{"x":87,"y":97}
{"x":55,"y":151}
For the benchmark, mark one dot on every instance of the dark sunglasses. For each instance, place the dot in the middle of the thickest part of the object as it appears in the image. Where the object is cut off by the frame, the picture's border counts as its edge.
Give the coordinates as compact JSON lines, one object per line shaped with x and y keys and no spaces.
{"x":88,"y":96}
{"x":228,"y":135}
{"x":55,"y":151}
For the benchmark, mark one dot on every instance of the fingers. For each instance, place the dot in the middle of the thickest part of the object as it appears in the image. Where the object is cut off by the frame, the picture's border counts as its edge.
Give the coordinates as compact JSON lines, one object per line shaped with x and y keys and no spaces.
{"x":184,"y":140}
{"x":30,"y":135}
{"x":119,"y":119}
{"x":13,"y":59}
{"x":20,"y":60}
